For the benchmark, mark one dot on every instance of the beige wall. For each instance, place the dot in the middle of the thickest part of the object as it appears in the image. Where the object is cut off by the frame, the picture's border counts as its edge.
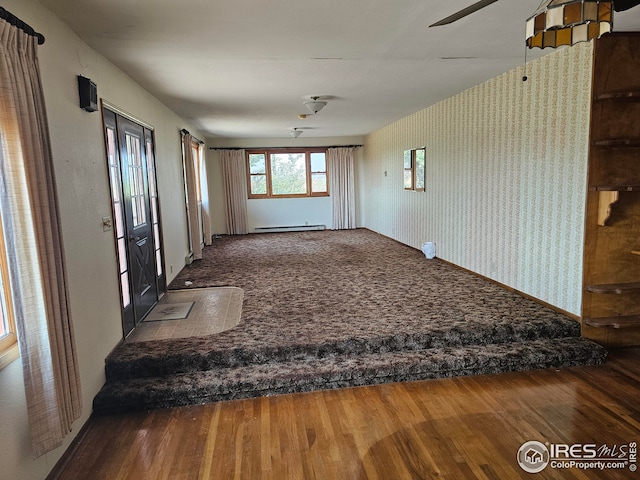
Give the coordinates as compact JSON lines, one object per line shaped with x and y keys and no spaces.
{"x":506,"y":177}
{"x":79,"y":163}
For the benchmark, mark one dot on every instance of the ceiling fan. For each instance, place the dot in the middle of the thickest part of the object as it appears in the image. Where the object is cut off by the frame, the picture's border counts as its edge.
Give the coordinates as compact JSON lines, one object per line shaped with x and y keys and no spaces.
{"x":618,"y":6}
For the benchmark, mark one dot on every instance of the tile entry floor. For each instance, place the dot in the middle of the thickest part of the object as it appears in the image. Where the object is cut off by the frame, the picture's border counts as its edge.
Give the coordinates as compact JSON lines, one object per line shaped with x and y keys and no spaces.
{"x":215,"y":310}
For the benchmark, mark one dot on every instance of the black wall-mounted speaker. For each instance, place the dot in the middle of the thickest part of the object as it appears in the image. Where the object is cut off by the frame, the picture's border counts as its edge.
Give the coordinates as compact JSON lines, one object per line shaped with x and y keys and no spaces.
{"x":88,"y":94}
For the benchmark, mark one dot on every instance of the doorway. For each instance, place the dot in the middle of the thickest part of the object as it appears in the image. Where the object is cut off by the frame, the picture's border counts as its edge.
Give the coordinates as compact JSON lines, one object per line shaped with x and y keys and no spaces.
{"x":132,"y":175}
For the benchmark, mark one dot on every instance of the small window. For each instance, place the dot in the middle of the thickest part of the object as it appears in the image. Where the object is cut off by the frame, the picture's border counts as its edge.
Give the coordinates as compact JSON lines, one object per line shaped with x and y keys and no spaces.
{"x":414,"y":169}
{"x":287,"y":173}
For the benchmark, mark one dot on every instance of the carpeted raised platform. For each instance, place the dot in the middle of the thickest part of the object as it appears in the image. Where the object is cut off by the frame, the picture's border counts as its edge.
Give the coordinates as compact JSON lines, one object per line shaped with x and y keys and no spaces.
{"x":337,"y":309}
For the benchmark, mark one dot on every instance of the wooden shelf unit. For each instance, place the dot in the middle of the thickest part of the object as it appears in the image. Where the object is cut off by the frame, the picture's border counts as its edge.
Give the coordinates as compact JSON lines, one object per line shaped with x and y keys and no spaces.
{"x":611,"y":294}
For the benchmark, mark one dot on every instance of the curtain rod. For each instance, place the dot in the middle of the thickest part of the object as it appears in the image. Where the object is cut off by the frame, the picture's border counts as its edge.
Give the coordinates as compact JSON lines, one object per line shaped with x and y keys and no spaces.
{"x":282,"y":148}
{"x":13,"y":20}
{"x":184,"y":131}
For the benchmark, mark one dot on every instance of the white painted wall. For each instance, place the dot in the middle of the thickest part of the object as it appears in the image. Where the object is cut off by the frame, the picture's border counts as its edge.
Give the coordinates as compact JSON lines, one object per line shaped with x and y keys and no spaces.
{"x":286,"y":212}
{"x":83,"y":190}
{"x":506,"y":177}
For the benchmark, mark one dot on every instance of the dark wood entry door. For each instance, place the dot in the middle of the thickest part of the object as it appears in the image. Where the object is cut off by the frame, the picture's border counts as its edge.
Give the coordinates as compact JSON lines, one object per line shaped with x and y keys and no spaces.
{"x":137,"y":215}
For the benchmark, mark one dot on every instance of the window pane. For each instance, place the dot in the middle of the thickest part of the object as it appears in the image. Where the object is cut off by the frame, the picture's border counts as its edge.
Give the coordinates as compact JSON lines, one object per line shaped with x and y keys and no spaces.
{"x":259,"y":184}
{"x":257,"y":164}
{"x":420,"y":173}
{"x":318,"y":162}
{"x":407,"y":159}
{"x":408,"y":179}
{"x":288,"y":174}
{"x":318,"y":182}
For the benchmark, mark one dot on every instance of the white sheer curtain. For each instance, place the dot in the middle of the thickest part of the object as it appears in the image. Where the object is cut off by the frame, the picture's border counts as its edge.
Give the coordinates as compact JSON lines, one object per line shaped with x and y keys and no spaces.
{"x":32,"y":229}
{"x":342,"y":187}
{"x":234,"y":179}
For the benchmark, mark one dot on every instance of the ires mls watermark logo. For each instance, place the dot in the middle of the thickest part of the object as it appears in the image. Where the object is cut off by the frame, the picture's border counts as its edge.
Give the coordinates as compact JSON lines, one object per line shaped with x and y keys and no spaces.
{"x":534,"y":457}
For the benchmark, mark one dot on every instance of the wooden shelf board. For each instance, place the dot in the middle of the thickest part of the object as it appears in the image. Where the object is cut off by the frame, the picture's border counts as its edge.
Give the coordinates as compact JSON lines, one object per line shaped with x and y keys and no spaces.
{"x":628,"y":321}
{"x":616,"y":288}
{"x":620,"y":97}
{"x":618,"y":142}
{"x":615,"y":188}
{"x":635,"y":252}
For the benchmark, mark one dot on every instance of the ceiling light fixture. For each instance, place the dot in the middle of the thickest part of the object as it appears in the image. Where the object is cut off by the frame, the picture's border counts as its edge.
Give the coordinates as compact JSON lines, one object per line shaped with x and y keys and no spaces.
{"x":315,"y":105}
{"x":295,"y":133}
{"x":567,"y":22}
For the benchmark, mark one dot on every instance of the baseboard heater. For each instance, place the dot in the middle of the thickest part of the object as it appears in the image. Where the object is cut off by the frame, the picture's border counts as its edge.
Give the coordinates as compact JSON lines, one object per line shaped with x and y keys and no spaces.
{"x":289,"y":228}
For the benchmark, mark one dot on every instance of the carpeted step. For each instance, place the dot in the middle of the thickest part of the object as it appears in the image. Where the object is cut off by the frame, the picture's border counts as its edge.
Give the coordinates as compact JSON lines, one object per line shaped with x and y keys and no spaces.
{"x":166,"y":357}
{"x":338,"y":371}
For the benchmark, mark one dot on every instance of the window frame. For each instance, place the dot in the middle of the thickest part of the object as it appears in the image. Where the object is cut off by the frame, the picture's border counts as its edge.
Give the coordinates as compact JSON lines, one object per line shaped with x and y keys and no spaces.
{"x":9,"y":350}
{"x":412,"y":169}
{"x":268,"y":152}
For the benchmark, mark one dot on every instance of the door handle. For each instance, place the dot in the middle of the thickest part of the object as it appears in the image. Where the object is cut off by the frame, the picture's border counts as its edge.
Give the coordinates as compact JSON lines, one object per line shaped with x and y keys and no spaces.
{"x":134,"y":238}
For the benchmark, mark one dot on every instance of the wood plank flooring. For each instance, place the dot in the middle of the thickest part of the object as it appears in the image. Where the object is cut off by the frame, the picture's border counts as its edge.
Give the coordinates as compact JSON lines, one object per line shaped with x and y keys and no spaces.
{"x":470,"y":427}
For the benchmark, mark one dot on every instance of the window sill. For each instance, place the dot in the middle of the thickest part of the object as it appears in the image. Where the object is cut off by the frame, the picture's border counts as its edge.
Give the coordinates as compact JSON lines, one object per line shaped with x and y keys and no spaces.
{"x":9,"y":355}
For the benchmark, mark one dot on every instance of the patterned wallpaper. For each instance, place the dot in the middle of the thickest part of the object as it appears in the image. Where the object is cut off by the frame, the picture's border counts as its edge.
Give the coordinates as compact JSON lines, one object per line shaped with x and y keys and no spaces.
{"x":506,"y":177}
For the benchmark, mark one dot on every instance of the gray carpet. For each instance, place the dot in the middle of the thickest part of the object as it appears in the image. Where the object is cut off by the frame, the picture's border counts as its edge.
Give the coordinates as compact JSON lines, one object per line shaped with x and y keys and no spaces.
{"x":330,"y":309}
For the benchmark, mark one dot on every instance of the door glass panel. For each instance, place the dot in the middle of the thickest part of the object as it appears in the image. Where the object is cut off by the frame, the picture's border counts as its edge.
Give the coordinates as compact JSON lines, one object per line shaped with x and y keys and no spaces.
{"x":116,"y":196}
{"x":136,"y":180}
{"x":158,"y":263}
{"x":122,"y":255}
{"x":153,"y":198}
{"x":156,"y":234}
{"x":126,"y":297}
{"x":117,"y":210}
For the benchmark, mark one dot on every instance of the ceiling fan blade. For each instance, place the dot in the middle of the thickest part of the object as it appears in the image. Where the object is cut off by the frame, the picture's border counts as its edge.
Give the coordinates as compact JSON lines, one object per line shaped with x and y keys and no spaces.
{"x":467,"y":11}
{"x":621,"y":5}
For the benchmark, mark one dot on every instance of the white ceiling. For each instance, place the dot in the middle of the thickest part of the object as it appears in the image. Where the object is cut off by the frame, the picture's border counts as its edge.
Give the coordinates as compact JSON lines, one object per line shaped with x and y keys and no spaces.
{"x":242,"y":68}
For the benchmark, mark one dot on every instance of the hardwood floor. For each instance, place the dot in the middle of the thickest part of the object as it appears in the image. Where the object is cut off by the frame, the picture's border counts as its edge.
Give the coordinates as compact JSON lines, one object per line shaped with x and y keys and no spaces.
{"x":469,"y":427}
